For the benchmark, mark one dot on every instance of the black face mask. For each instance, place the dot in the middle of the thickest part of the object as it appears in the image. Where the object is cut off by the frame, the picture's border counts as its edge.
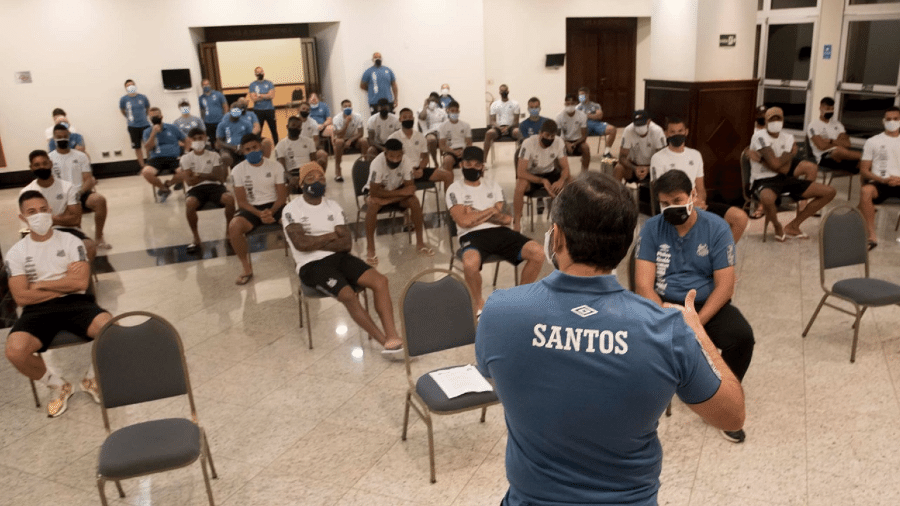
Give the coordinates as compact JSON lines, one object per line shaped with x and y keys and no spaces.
{"x":377,"y":62}
{"x":676,"y":140}
{"x":393,"y":165}
{"x":43,"y":174}
{"x":62,"y":143}
{"x":408,"y":123}
{"x":676,"y":215}
{"x":829,"y":115}
{"x":471,"y":174}
{"x":294,"y":133}
{"x":156,"y":120}
{"x":259,"y":77}
{"x":547,"y":142}
{"x":304,"y":114}
{"x":504,"y":94}
{"x":383,"y":113}
{"x":761,"y":121}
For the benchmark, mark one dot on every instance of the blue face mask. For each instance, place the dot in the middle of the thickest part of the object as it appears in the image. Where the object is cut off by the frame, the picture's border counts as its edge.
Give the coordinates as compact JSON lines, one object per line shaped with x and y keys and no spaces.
{"x":348,"y":111}
{"x":534,"y":111}
{"x":254,"y":157}
{"x":206,"y":89}
{"x":314,"y":190}
{"x":236,"y":112}
{"x":453,"y":116}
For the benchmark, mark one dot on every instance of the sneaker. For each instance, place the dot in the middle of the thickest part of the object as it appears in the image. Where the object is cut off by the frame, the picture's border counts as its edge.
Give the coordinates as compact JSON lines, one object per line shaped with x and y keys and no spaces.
{"x":58,"y":406}
{"x":89,"y":386}
{"x":193,"y":248}
{"x":540,"y":206}
{"x":339,"y":179}
{"x":608,"y":154}
{"x":736,"y":436}
{"x":163,"y":194}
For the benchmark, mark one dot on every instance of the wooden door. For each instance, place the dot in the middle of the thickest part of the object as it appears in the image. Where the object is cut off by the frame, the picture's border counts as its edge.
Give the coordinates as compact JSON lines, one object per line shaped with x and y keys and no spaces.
{"x":601,"y":53}
{"x":209,"y":64}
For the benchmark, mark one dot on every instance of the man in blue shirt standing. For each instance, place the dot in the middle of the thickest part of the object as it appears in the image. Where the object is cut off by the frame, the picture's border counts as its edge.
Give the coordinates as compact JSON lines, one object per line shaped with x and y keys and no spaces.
{"x":262,"y":91}
{"x":584,"y":368}
{"x":379,"y":82}
{"x":213,"y":108}
{"x":685,"y":249}
{"x":164,"y":143}
{"x":134,"y":107}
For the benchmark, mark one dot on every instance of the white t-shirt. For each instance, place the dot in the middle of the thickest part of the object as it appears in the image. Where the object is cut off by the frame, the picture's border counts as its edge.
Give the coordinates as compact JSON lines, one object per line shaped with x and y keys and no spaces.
{"x":389,"y":178}
{"x":571,"y":126}
{"x":295,"y":153}
{"x":70,"y":166}
{"x":455,"y":133}
{"x":780,"y":145}
{"x":46,"y":260}
{"x":542,"y":160}
{"x":830,"y":130}
{"x":689,"y":161}
{"x":60,"y":195}
{"x":433,"y":119}
{"x":383,"y":128}
{"x":641,"y":149}
{"x":413,"y":146}
{"x":884,"y":153}
{"x":356,"y":123}
{"x":506,"y":112}
{"x":201,"y":164}
{"x":480,"y":197}
{"x":259,"y":182}
{"x":315,"y":220}
{"x":309,"y":128}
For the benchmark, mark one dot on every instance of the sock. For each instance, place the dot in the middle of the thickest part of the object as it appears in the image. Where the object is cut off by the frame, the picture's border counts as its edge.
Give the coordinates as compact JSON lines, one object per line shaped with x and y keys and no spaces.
{"x":89,"y":374}
{"x":52,"y":379}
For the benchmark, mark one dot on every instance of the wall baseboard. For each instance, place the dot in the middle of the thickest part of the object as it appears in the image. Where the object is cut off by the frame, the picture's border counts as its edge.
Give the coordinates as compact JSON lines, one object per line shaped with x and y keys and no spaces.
{"x":103,"y":170}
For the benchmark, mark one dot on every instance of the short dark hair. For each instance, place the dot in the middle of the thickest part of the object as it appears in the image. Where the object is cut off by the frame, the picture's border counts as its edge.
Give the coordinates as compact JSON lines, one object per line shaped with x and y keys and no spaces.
{"x":571,"y":96}
{"x":473,"y":153}
{"x":60,"y":126}
{"x":534,"y":99}
{"x":128,"y":81}
{"x":671,"y":182}
{"x":434,"y":94}
{"x":346,"y":100}
{"x":827,"y":101}
{"x":183,"y":102}
{"x":58,"y":112}
{"x":674,"y":120}
{"x":153,"y":108}
{"x":585,"y":90}
{"x":249,"y":138}
{"x":549,"y":126}
{"x":405,"y":109}
{"x":383,"y":101}
{"x":597,"y":215}
{"x":393,"y":145}
{"x":30,"y":194}
{"x":196,"y":131}
{"x":453,"y":103}
{"x":892,"y":108}
{"x":36,"y":153}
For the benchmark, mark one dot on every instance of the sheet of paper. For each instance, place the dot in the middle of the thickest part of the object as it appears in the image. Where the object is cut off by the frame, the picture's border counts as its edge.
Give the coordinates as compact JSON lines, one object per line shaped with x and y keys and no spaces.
{"x":460,"y":380}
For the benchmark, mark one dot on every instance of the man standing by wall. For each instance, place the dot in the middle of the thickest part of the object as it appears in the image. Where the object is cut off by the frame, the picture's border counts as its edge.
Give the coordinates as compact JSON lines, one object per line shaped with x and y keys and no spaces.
{"x":379,"y":81}
{"x":262,"y":91}
{"x":134,"y":107}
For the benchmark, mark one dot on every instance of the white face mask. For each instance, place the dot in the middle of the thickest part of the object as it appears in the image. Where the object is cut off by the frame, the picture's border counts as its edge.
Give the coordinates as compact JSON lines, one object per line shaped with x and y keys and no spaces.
{"x":445,"y":92}
{"x":892,"y":125}
{"x":549,"y":254}
{"x":432,"y":106}
{"x":198,"y":145}
{"x":570,"y":109}
{"x":40,"y":223}
{"x":185,"y":110}
{"x":641,"y":129}
{"x":774,"y":127}
{"x":131,"y":89}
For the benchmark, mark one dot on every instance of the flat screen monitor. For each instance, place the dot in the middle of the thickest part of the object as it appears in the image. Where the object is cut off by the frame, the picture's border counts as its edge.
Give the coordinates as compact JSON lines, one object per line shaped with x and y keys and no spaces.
{"x":176,"y":79}
{"x":556,"y":60}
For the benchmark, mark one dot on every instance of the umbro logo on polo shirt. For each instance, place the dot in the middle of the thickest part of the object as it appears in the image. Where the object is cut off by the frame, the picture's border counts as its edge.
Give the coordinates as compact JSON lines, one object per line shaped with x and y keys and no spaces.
{"x":61,"y":253}
{"x":584,"y":311}
{"x":59,"y":196}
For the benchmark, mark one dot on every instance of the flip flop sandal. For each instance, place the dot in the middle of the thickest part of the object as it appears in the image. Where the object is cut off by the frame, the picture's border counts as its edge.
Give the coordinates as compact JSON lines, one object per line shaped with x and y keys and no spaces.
{"x":243,"y":279}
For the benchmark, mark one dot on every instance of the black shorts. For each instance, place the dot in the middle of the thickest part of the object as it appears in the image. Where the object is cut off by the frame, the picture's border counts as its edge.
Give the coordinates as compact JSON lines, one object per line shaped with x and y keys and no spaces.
{"x":500,"y":134}
{"x":501,"y":241}
{"x":84,"y":198}
{"x":456,"y":159}
{"x":164,"y":164}
{"x":137,"y":136}
{"x":332,"y":273}
{"x":427,"y":172}
{"x":794,"y":163}
{"x":208,"y":193}
{"x":211,"y":132}
{"x":782,"y":184}
{"x":74,"y":312}
{"x":885,"y":192}
{"x":254,"y":219}
{"x":74,"y":231}
{"x":574,"y":149}
{"x":717,"y":208}
{"x":851,"y":166}
{"x":552,"y":176}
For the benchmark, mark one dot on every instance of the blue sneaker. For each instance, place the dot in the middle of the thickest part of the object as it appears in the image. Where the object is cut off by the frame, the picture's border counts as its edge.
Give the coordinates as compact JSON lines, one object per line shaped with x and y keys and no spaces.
{"x":163,"y":195}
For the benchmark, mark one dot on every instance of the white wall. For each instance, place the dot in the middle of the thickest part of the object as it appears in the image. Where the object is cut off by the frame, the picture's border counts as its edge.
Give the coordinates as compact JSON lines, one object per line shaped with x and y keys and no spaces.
{"x":717,"y":17}
{"x":673,"y":45}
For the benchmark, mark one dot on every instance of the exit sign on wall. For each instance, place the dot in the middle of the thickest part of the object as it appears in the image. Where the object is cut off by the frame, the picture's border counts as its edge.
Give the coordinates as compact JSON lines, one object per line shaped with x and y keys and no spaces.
{"x":727,"y":40}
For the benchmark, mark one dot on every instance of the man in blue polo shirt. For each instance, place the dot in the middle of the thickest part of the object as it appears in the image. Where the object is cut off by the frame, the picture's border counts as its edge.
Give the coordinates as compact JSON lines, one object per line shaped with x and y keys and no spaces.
{"x":684,"y":249}
{"x":532,"y":124}
{"x":262,"y":91}
{"x":213,"y":108}
{"x":164,"y":142}
{"x":229,"y":134}
{"x":379,"y":81}
{"x":584,"y":368}
{"x":134,"y":107}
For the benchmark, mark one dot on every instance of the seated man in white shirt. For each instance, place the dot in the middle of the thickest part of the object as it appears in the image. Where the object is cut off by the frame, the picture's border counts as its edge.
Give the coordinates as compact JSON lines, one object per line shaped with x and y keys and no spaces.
{"x":431,"y":117}
{"x":415,"y":150}
{"x":640,"y":141}
{"x":48,"y":276}
{"x":75,"y":167}
{"x":880,"y":170}
{"x":454,"y":135}
{"x":504,"y":120}
{"x":205,"y":174}
{"x":260,"y":193}
{"x":380,"y":126}
{"x":391,"y":182}
{"x":477,"y":207}
{"x":295,"y":150}
{"x":349,"y":131}
{"x":320,"y":240}
{"x":677,"y":156}
{"x":769,"y":178}
{"x":542,"y":164}
{"x":829,"y":141}
{"x":573,"y":128}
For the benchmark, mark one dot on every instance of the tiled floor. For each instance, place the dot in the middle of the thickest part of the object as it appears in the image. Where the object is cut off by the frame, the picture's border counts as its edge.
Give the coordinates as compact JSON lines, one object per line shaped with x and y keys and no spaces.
{"x":290,"y":426}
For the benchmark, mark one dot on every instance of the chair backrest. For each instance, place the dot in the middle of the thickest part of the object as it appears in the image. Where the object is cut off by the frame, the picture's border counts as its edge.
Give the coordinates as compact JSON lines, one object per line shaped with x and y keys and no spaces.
{"x":745,"y":175}
{"x":436,"y":315}
{"x":632,"y":261}
{"x":139,"y":363}
{"x":842,"y":238}
{"x":360,"y":176}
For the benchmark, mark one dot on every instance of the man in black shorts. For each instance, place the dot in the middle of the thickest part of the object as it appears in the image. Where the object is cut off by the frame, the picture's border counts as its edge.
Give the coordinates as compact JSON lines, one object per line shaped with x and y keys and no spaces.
{"x":134,"y":106}
{"x":476,"y":205}
{"x":164,"y":142}
{"x":879,"y":169}
{"x":542,"y":164}
{"x":320,"y":241}
{"x":204,"y":173}
{"x":48,"y":276}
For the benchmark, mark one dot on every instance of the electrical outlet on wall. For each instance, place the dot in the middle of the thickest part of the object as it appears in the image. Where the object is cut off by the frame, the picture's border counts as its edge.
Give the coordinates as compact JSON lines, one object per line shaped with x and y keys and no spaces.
{"x":105,"y":154}
{"x":117,"y":152}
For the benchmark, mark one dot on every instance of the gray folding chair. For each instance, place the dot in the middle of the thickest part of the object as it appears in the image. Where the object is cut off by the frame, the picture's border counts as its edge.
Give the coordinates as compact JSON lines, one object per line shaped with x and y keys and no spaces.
{"x":264,"y":230}
{"x":750,"y":200}
{"x":430,"y":187}
{"x":457,"y":253}
{"x":530,"y":196}
{"x":307,"y":292}
{"x":136,"y":364}
{"x":425,"y":331}
{"x":360,"y":177}
{"x":842,"y":243}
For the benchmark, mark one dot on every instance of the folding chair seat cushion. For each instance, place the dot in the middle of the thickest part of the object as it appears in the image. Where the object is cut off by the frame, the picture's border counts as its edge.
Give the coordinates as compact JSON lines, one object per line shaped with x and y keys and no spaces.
{"x":868,"y":291}
{"x":66,"y":338}
{"x":437,"y":400}
{"x":148,"y":447}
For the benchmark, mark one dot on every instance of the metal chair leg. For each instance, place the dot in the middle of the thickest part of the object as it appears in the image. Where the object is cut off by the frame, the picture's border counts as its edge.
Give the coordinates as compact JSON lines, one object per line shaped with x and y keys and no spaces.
{"x":815,"y":314}
{"x":209,"y":493}
{"x":483,"y":413}
{"x":496,"y":272}
{"x":37,"y":400}
{"x":406,"y":416}
{"x":669,"y":409}
{"x":119,"y":487}
{"x":212,"y":466}
{"x":308,"y":322}
{"x":100,"y":486}
{"x":431,"y":448}
{"x":855,"y":336}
